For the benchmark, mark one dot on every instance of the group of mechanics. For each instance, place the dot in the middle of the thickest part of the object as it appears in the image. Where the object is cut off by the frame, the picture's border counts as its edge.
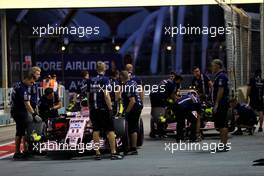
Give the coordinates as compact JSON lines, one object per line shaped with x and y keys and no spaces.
{"x":104,"y":103}
{"x":26,"y":106}
{"x":214,"y":93}
{"x":27,"y":109}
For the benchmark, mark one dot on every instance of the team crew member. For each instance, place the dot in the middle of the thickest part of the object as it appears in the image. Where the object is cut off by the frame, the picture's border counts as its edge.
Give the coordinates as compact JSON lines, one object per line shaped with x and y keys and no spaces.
{"x":45,"y":82}
{"x":220,"y":99}
{"x":255,"y":94}
{"x":129,"y":68}
{"x":53,"y":83}
{"x":20,"y":109}
{"x":201,"y":82}
{"x":115,"y":96}
{"x":35,"y":71}
{"x":167,"y":90}
{"x":83,"y":86}
{"x":183,"y":109}
{"x":101,"y":110}
{"x":245,"y":117}
{"x":132,"y":106}
{"x":49,"y":104}
{"x":203,"y":85}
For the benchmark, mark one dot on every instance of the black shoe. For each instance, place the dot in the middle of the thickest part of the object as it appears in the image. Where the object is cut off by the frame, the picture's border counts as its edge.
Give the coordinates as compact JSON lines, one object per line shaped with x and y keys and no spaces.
{"x":125,"y":152}
{"x":260,"y":129}
{"x":259,"y":160}
{"x":116,"y":156}
{"x":27,"y":154}
{"x":250,"y":131}
{"x":163,"y":136}
{"x":238,"y":133}
{"x":18,"y":156}
{"x":258,"y":164}
{"x":180,"y":139}
{"x":133,"y":151}
{"x":98,"y":157}
{"x":199,"y":138}
{"x":152,"y":135}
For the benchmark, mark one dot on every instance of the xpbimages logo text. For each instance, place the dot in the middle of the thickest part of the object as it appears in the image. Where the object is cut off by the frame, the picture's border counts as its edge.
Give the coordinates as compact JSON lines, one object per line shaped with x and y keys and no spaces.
{"x":212,"y":31}
{"x":79,"y":31}
{"x":147,"y":89}
{"x":213,"y":147}
{"x":58,"y":146}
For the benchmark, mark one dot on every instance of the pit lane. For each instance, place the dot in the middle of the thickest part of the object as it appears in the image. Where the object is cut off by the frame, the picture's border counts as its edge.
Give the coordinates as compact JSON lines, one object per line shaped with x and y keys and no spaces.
{"x":152,"y":160}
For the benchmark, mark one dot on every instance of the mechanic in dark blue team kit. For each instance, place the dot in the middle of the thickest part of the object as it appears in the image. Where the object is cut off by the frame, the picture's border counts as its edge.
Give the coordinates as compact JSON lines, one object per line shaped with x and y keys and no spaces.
{"x":220,"y":100}
{"x":255,"y":93}
{"x":34,"y":89}
{"x":34,"y":126}
{"x":187,"y":107}
{"x":49,"y":104}
{"x":20,"y":111}
{"x":129,"y":68}
{"x":115,"y":96}
{"x":201,"y":83}
{"x":167,"y":89}
{"x":84,"y":84}
{"x":133,"y":106}
{"x":101,"y":110}
{"x":245,"y":117}
{"x":204,"y":86}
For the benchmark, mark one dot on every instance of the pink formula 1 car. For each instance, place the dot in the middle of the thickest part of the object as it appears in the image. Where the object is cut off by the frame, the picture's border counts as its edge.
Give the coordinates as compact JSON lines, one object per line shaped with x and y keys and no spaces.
{"x":71,"y":135}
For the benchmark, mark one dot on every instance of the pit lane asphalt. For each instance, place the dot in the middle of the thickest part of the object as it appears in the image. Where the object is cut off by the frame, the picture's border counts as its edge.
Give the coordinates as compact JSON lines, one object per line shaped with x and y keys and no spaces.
{"x":152,"y":160}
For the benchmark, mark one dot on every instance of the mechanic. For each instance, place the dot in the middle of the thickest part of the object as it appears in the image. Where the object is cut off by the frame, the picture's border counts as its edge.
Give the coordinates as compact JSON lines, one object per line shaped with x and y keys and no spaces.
{"x":21,"y":111}
{"x":133,"y":106}
{"x":245,"y":117}
{"x":202,"y":83}
{"x":35,"y":127}
{"x":220,"y":99}
{"x":159,"y":99}
{"x":45,"y":82}
{"x":183,"y":109}
{"x":48,"y":105}
{"x":53,"y":83}
{"x":35,"y":71}
{"x":115,"y":96}
{"x":129,"y":68}
{"x":101,"y":111}
{"x":84,"y":85}
{"x":255,"y":93}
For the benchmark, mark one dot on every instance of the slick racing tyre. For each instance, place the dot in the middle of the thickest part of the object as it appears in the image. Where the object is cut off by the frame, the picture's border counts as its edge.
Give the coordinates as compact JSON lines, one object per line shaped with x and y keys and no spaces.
{"x":140,"y":138}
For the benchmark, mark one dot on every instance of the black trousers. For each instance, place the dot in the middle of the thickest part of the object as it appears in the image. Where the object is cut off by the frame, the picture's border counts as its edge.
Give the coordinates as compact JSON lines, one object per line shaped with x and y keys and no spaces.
{"x":181,"y":115}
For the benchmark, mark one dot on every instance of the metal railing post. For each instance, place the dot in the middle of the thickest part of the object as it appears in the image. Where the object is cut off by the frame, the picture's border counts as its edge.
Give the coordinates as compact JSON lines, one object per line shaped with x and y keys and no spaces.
{"x":4,"y":58}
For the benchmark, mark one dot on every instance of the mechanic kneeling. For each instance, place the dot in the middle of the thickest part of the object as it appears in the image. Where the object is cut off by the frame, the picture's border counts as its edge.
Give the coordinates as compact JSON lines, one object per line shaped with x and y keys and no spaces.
{"x":183,"y":109}
{"x":49,"y":105}
{"x":158,"y":102}
{"x":132,"y":109}
{"x":245,"y":117}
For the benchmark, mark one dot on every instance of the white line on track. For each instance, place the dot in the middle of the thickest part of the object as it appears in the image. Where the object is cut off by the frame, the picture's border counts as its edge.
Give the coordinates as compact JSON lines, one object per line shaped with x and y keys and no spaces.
{"x":6,"y":143}
{"x":6,"y":156}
